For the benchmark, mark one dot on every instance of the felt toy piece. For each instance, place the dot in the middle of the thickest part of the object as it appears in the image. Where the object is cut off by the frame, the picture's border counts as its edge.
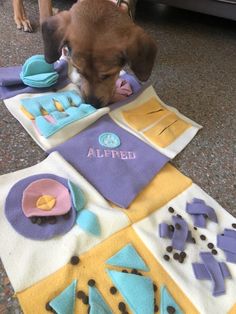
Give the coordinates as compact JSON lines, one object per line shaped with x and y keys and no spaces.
{"x":145,"y":115}
{"x":12,"y":85}
{"x":89,"y":222}
{"x":97,"y":302}
{"x":110,"y":140}
{"x":77,"y":196}
{"x":22,"y":224}
{"x":123,"y":90}
{"x":125,"y":170}
{"x":200,"y":212}
{"x":136,"y":290}
{"x":167,"y":130}
{"x":64,"y":303}
{"x":214,"y":271}
{"x":64,"y":107}
{"x":168,"y":304}
{"x":36,"y":72}
{"x":227,"y":242}
{"x":128,"y":257}
{"x":45,"y":197}
{"x":180,"y":235}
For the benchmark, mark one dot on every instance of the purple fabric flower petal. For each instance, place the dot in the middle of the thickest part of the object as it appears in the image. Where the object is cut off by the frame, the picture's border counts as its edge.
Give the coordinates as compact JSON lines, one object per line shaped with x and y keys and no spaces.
{"x":180,"y":234}
{"x":217,"y":272}
{"x":200,"y":212}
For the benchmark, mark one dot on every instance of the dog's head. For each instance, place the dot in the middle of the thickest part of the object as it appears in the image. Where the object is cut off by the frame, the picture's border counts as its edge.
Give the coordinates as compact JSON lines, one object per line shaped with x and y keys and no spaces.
{"x":101,"y":40}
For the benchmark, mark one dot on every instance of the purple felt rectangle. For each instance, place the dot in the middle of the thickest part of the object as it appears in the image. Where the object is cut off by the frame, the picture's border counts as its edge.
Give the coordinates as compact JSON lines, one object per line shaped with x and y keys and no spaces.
{"x":120,"y":173}
{"x":12,"y":85}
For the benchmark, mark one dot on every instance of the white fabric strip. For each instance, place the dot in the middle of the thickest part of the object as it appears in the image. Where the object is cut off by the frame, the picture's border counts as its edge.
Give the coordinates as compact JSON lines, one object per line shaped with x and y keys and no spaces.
{"x":28,"y":261}
{"x":13,"y":105}
{"x":174,"y":148}
{"x":198,"y":291}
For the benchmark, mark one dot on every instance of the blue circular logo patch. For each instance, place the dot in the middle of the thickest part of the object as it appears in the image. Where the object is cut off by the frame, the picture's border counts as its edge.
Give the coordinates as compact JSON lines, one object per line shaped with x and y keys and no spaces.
{"x":110,"y":140}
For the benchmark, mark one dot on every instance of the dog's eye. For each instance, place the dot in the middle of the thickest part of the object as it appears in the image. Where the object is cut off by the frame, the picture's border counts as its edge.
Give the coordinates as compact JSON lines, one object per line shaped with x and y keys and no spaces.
{"x":104,"y":76}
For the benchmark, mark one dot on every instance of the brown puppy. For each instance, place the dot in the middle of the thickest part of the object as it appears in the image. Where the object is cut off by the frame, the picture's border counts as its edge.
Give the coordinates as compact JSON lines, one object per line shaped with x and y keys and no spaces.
{"x":101,"y":40}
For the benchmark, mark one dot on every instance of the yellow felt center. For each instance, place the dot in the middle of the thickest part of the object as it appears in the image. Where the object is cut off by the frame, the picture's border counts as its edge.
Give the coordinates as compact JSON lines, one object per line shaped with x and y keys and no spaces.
{"x":46,"y":202}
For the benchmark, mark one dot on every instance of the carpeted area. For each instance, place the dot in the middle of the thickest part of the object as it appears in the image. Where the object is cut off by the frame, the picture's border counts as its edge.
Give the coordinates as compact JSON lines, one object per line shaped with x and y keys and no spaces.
{"x":194,"y":72}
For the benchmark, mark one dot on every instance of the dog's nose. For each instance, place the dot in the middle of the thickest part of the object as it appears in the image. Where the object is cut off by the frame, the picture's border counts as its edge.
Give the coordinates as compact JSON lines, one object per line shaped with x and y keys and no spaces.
{"x":94,"y":101}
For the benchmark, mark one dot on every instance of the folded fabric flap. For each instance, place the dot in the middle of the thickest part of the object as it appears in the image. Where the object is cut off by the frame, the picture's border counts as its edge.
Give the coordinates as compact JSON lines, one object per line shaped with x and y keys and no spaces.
{"x":215,"y":273}
{"x":226,"y":243}
{"x":230,"y":233}
{"x":145,"y":115}
{"x":200,"y":271}
{"x":225,"y":270}
{"x":63,"y":100}
{"x":10,"y":76}
{"x":164,"y":231}
{"x":199,"y":221}
{"x":230,"y":257}
{"x":180,"y":233}
{"x":31,"y":106}
{"x":47,"y":104}
{"x":198,"y":206}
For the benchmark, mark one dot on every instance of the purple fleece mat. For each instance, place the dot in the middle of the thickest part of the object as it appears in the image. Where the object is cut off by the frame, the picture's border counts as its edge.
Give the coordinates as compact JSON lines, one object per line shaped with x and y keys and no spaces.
{"x":12,"y":85}
{"x":120,"y":173}
{"x":23,"y":225}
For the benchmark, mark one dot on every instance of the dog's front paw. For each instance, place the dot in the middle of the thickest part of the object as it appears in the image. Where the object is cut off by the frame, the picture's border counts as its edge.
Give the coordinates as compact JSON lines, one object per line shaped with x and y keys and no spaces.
{"x":23,"y":23}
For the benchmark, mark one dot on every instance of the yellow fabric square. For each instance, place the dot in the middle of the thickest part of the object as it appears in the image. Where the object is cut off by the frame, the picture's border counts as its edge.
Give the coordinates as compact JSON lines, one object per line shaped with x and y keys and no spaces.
{"x":167,"y":184}
{"x":142,"y":116}
{"x":92,"y":266}
{"x":166,"y":130}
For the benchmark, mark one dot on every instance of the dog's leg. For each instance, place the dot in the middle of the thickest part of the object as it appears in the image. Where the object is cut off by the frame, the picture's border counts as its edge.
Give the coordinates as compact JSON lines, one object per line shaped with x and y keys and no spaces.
{"x":20,"y":16}
{"x":45,"y":9}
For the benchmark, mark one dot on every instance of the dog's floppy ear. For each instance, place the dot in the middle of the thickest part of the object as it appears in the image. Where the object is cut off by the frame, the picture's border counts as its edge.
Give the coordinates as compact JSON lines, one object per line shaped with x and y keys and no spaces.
{"x":141,"y":53}
{"x":54,"y":32}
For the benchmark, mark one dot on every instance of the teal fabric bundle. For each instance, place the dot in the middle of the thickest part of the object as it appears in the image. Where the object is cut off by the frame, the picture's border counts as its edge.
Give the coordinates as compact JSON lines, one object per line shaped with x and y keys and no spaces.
{"x":36,"y":72}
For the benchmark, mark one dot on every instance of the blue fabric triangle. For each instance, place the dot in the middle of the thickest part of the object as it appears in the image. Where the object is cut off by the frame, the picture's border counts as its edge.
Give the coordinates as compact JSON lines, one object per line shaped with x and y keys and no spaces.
{"x":77,"y":196}
{"x":168,"y":300}
{"x":88,"y":221}
{"x":128,"y":257}
{"x":136,"y":290}
{"x":97,"y":303}
{"x":64,"y":303}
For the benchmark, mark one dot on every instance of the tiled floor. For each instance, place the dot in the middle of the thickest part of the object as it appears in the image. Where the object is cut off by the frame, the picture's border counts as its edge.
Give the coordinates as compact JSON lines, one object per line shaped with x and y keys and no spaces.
{"x":195,"y":72}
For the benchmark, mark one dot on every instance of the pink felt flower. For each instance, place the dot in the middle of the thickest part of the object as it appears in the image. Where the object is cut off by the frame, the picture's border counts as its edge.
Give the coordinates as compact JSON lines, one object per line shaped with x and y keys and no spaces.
{"x":46,"y":197}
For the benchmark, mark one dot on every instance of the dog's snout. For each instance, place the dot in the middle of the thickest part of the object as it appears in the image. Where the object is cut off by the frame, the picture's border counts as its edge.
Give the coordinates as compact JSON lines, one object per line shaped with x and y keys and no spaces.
{"x":94,"y":101}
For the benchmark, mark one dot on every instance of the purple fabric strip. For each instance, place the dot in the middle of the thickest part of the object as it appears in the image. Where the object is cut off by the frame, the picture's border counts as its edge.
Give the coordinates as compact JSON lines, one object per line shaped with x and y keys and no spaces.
{"x":201,"y":272}
{"x":230,"y":257}
{"x":200,"y":212}
{"x":119,"y":173}
{"x":230,"y":233}
{"x":11,"y":84}
{"x":226,"y":243}
{"x":164,"y":232}
{"x":180,"y":235}
{"x":215,"y":273}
